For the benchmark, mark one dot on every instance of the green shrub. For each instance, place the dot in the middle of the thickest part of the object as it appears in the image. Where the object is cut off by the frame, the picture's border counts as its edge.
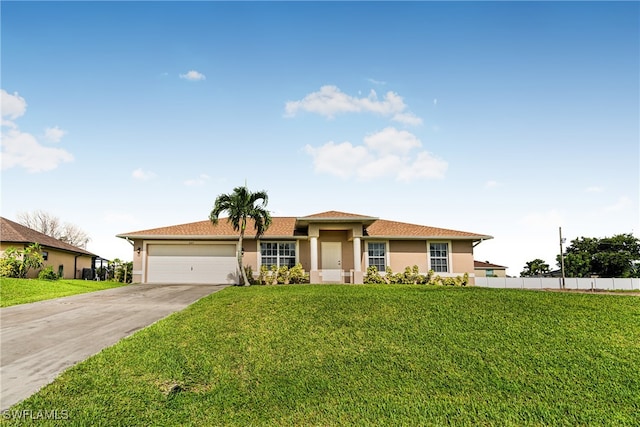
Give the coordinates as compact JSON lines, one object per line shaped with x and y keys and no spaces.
{"x":48,"y":274}
{"x":20,"y":262}
{"x":283,"y":275}
{"x":373,"y":276}
{"x":297,"y":275}
{"x":412,"y":276}
{"x":9,"y":267}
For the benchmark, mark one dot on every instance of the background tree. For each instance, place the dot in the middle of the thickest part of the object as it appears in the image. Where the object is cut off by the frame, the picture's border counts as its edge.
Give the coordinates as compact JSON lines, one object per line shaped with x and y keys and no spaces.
{"x":241,"y":205}
{"x":616,"y":256}
{"x":118,"y":271}
{"x":52,"y":226}
{"x":535,"y":268}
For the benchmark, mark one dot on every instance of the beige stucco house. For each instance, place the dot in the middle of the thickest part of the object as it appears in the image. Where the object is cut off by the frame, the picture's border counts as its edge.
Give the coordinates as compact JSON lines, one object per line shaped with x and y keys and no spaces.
{"x":69,"y":261}
{"x":334,"y":247}
{"x":487,"y":269}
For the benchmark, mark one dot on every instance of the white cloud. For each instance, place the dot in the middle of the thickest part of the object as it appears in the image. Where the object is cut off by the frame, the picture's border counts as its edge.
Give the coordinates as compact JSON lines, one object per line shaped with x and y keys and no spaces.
{"x":330,"y":100}
{"x":407,"y":119}
{"x":13,"y":106}
{"x":338,"y":159}
{"x":392,"y":140}
{"x":620,"y":205}
{"x":197,"y":182}
{"x":424,"y":166}
{"x":376,"y":82}
{"x":491,"y":184}
{"x":142,"y":175}
{"x":54,"y":134}
{"x":21,"y":149}
{"x":389,"y":152}
{"x":193,"y":76}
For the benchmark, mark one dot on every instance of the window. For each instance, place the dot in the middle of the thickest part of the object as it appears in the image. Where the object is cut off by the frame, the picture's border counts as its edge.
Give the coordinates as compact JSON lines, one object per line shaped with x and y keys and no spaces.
{"x":45,"y":255}
{"x":278,"y":254}
{"x":439,"y":257}
{"x":377,"y":255}
{"x":489,"y":272}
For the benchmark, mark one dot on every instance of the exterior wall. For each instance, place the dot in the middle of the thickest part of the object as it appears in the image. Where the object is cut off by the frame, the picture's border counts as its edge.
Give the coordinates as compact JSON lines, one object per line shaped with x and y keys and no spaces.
{"x":497,"y":272}
{"x":462,"y":257}
{"x":407,"y":253}
{"x":5,"y":245}
{"x":304,"y":254}
{"x":400,"y":253}
{"x":55,"y":259}
{"x":251,"y":254}
{"x":138,"y":260}
{"x":68,"y":262}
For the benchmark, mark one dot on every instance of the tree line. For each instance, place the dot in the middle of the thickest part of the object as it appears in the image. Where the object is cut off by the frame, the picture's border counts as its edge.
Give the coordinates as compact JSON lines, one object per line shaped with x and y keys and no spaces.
{"x":616,"y":256}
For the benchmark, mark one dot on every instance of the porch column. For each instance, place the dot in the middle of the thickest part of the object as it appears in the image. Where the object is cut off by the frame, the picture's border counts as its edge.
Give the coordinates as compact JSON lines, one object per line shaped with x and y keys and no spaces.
{"x":314,"y":274}
{"x":357,"y":261}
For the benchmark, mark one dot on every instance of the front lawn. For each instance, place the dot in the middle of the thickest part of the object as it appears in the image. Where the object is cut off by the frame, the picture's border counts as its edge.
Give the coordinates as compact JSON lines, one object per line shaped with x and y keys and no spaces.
{"x":21,"y":291}
{"x":366,"y":355}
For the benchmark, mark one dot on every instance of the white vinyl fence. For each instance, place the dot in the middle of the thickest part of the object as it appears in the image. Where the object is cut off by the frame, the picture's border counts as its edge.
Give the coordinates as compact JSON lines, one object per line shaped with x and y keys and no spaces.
{"x":616,"y":284}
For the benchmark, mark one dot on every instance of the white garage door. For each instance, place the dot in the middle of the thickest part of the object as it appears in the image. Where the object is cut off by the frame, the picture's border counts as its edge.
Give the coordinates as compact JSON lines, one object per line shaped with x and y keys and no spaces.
{"x":197,"y":264}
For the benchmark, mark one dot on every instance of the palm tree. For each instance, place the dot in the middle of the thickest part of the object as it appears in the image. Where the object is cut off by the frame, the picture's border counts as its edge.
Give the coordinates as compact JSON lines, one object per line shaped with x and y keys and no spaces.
{"x":240,"y":205}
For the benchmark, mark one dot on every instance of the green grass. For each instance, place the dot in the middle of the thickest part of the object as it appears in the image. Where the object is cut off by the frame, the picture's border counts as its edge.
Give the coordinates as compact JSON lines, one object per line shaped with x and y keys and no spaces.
{"x":21,"y":291}
{"x":367,"y":355}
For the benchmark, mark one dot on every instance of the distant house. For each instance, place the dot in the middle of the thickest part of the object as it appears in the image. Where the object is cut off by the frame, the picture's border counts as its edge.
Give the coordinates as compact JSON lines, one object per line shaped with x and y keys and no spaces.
{"x":487,"y":269}
{"x":69,"y":261}
{"x":334,"y":247}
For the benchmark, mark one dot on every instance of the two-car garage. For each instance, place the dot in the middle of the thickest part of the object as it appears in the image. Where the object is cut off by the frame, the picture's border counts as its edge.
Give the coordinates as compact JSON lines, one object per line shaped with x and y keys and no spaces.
{"x":192,"y":263}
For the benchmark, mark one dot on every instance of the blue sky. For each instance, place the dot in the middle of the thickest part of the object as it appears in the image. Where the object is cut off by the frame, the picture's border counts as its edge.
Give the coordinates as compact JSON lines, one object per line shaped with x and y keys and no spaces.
{"x":502,"y":118}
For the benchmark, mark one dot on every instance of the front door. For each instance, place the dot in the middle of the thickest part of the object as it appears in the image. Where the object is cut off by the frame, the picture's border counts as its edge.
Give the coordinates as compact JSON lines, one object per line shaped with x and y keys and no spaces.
{"x":331,"y":253}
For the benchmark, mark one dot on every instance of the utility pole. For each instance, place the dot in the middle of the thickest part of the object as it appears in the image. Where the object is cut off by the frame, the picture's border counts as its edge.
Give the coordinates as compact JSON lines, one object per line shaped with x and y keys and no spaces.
{"x":562,"y":257}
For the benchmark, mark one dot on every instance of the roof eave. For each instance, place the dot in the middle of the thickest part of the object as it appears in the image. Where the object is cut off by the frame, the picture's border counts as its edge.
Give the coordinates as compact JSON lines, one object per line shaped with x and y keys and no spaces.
{"x":200,"y":237}
{"x":431,"y":237}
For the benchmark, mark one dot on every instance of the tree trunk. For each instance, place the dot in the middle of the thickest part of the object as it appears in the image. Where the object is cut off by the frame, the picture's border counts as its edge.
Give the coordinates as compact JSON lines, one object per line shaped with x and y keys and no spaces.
{"x":245,"y":280}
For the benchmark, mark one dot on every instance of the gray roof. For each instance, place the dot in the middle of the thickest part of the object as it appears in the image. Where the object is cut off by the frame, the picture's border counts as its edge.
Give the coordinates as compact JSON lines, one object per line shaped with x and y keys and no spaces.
{"x":12,"y":232}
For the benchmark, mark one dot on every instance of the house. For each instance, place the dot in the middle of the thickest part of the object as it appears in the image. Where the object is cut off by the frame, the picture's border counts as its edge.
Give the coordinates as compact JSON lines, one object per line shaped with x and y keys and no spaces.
{"x":334,"y":247}
{"x":487,"y":269}
{"x":69,"y":261}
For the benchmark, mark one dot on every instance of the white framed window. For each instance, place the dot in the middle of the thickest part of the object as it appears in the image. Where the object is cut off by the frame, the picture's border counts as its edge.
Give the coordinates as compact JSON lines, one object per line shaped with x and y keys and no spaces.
{"x":377,"y":255}
{"x":439,"y":257}
{"x":278,"y":254}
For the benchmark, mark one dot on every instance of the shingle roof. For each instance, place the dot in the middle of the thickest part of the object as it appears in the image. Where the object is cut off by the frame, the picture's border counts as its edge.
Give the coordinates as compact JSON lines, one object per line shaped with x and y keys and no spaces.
{"x":385,"y":228}
{"x":281,"y":226}
{"x":481,"y":265}
{"x":12,"y":232}
{"x":286,"y":227}
{"x":335,"y":215}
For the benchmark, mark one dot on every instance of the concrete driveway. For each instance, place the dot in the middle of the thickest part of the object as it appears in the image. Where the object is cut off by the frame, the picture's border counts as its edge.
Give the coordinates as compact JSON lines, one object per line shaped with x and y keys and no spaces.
{"x":40,"y":340}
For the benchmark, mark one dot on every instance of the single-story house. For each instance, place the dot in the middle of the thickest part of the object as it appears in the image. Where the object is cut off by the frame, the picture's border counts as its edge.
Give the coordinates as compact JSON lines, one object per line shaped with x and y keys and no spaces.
{"x":487,"y":269}
{"x":69,"y":261}
{"x":333,"y":247}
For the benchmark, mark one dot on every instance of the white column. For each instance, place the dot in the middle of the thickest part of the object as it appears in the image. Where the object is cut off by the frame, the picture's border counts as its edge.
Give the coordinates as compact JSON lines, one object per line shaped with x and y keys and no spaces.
{"x":357,"y":259}
{"x":314,"y":253}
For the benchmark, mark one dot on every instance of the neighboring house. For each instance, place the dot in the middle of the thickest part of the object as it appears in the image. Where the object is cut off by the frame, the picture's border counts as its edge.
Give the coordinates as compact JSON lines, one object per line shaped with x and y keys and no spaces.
{"x":486,"y":269}
{"x":334,"y":247}
{"x":69,"y":261}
